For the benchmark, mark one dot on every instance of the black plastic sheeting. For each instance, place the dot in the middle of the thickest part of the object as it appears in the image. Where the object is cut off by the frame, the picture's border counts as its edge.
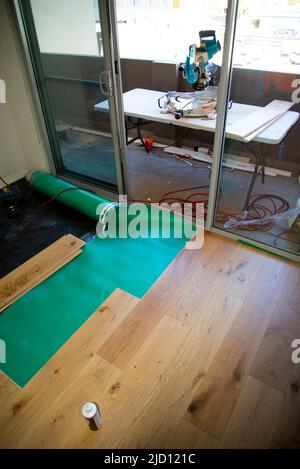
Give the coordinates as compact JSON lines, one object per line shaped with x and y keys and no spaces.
{"x":38,"y":225}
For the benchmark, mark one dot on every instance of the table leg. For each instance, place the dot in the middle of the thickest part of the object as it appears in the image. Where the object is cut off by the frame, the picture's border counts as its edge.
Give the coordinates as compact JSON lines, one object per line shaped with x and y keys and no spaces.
{"x":260,"y":161}
{"x":262,"y":164}
{"x":139,"y":135}
{"x":132,"y":139}
{"x":249,"y":193}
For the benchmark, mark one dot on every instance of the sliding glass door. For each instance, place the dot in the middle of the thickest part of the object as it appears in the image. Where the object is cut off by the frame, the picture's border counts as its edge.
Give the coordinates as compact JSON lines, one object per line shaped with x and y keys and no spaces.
{"x":74,"y":54}
{"x":258,"y":198}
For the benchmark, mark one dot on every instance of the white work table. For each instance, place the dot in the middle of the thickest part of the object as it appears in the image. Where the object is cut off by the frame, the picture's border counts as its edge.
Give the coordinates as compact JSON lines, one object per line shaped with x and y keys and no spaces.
{"x":143,"y":104}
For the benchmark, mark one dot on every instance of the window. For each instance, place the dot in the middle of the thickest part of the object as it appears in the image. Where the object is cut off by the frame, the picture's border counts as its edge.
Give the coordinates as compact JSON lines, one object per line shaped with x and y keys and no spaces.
{"x":268,"y":36}
{"x":164,"y":29}
{"x":268,"y":32}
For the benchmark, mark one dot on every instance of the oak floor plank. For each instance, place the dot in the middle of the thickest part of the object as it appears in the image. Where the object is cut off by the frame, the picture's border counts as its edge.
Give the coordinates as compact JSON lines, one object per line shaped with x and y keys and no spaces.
{"x":192,"y":361}
{"x":237,"y":273}
{"x":256,"y":417}
{"x":139,"y":384}
{"x":62,"y":425}
{"x":229,"y":269}
{"x":36,"y":269}
{"x":185,"y":435}
{"x":120,"y":400}
{"x":25,"y":404}
{"x":273,"y":363}
{"x":217,"y":393}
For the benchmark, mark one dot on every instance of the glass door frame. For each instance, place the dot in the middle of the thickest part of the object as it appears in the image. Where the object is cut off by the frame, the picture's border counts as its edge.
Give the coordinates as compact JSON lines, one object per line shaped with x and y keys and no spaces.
{"x":31,"y":52}
{"x":219,"y":141}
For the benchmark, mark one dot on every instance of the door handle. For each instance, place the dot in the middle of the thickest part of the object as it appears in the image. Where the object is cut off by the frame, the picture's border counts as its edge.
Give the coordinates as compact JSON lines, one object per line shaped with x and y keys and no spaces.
{"x":105,"y":83}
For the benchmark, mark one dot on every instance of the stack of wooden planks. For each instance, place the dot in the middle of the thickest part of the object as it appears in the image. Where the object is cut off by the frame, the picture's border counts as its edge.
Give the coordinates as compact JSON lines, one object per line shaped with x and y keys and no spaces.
{"x":38,"y":268}
{"x":252,"y":125}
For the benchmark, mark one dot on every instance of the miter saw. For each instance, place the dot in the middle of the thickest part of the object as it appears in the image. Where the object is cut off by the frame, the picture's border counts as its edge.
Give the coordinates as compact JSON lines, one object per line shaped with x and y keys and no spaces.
{"x":196,"y":69}
{"x":199,"y":73}
{"x":193,"y":104}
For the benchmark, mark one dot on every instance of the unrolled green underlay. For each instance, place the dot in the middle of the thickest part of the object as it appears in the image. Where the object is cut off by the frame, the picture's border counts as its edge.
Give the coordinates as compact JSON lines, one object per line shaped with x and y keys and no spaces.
{"x":41,"y":321}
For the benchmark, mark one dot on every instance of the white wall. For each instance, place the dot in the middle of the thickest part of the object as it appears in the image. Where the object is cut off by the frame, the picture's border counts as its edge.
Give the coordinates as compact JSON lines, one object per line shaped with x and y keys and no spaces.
{"x":21,"y":146}
{"x":65,"y":27}
{"x":12,"y":162}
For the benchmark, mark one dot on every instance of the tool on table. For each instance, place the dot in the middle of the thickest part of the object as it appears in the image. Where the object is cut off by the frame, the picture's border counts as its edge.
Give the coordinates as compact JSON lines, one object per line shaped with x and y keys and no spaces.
{"x":196,"y":70}
{"x":194,"y":104}
{"x":199,"y":73}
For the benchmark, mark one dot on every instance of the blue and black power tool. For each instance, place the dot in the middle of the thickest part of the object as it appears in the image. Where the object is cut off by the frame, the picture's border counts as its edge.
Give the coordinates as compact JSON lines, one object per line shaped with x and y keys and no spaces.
{"x":196,"y":67}
{"x":10,"y":195}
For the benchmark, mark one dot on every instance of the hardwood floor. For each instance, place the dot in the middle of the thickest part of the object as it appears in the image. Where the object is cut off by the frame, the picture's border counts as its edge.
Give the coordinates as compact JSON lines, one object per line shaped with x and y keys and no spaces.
{"x":202,"y":361}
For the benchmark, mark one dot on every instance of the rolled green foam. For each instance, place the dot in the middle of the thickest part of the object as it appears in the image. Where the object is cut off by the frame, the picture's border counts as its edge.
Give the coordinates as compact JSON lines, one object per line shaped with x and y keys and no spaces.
{"x":84,"y":201}
{"x":87,"y":203}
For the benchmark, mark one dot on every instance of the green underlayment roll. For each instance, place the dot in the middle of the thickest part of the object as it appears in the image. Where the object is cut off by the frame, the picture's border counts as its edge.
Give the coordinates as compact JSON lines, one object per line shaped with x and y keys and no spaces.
{"x":44,"y":319}
{"x":84,"y":201}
